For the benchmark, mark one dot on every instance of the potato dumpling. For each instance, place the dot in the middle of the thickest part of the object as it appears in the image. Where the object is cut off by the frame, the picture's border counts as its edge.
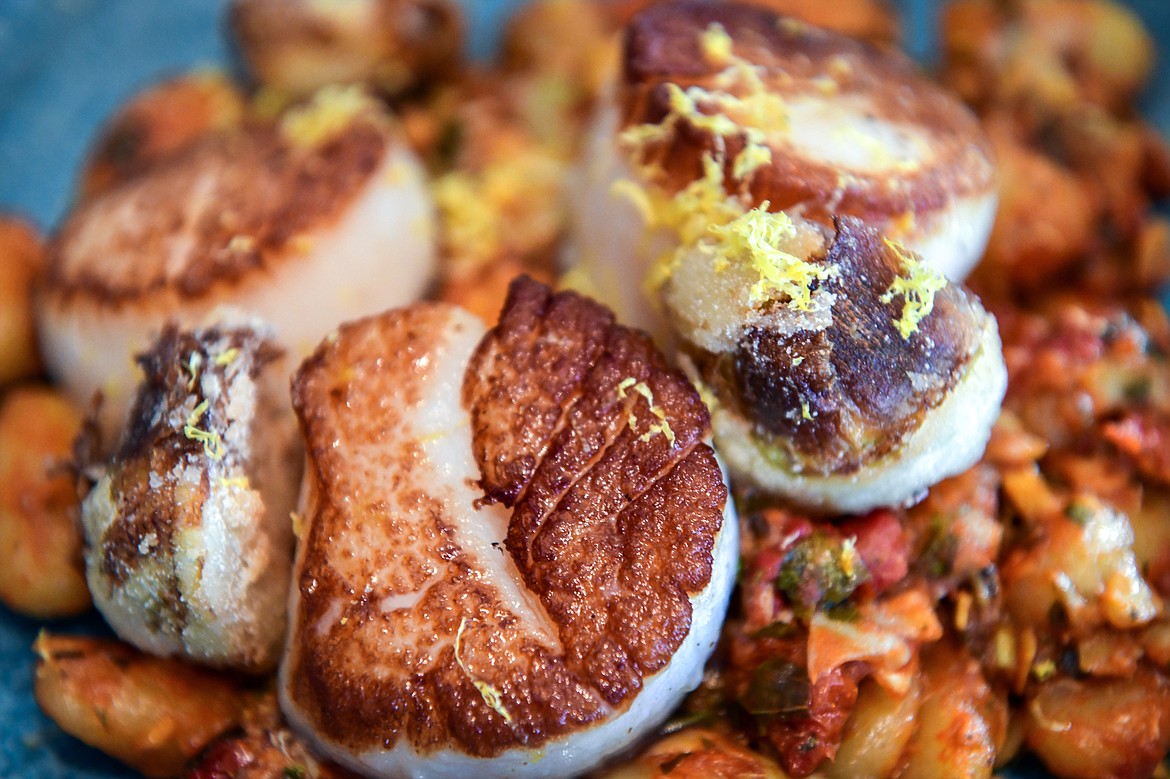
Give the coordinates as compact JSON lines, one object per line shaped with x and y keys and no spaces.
{"x":153,"y":714}
{"x":21,"y":257}
{"x":40,"y":541}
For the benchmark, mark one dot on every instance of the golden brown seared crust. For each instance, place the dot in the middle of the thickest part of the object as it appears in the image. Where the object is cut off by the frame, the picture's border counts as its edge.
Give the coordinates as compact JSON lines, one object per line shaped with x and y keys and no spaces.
{"x":153,"y":511}
{"x":533,"y":375}
{"x":230,"y":208}
{"x":869,"y":20}
{"x":620,"y":530}
{"x":393,"y":44}
{"x":866,"y":387}
{"x":595,"y":506}
{"x":359,"y":689}
{"x":664,"y":46}
{"x":158,"y":122}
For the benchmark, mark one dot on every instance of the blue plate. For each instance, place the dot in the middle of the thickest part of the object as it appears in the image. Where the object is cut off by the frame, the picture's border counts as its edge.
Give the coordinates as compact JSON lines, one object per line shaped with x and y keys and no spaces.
{"x":65,"y":65}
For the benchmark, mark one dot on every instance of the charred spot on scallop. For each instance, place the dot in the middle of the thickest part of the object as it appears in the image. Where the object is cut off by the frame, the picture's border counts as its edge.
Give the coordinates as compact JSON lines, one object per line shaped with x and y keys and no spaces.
{"x":842,"y":371}
{"x":528,"y":627}
{"x":848,"y":394}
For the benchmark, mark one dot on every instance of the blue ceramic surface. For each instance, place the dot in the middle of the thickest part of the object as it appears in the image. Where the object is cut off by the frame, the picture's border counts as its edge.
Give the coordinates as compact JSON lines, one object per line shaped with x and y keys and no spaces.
{"x":65,"y":65}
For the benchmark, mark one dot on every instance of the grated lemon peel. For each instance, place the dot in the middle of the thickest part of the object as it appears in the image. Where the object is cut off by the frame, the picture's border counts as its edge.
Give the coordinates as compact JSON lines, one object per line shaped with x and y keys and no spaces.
{"x":469,"y":221}
{"x":850,"y":559}
{"x":330,"y":111}
{"x":754,"y":239}
{"x":917,"y":285}
{"x":299,"y":523}
{"x":491,"y":696}
{"x":484,"y":212}
{"x":227,"y":357}
{"x":707,"y":394}
{"x":963,"y":602}
{"x":739,"y":106}
{"x":212,"y":444}
{"x":242,"y":243}
{"x":661,"y":426}
{"x":193,"y":365}
{"x":716,"y":44}
{"x":1044,"y":670}
{"x":690,"y":214}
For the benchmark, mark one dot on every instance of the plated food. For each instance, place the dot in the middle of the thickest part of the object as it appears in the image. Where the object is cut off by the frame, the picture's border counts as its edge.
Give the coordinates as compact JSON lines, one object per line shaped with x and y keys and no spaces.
{"x":448,"y":495}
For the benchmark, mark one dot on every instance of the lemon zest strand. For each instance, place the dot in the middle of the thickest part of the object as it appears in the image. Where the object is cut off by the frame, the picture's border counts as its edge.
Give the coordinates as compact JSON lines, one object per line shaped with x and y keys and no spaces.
{"x":491,"y":696}
{"x":917,"y":286}
{"x":212,"y":444}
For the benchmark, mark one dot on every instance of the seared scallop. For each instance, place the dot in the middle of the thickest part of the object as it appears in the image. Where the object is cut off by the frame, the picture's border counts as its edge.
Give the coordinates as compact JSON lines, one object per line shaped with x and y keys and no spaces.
{"x":320,"y":218}
{"x":843,"y":372}
{"x":297,"y":46}
{"x":158,"y":122}
{"x":188,"y":539}
{"x":723,"y":107}
{"x":517,"y":549}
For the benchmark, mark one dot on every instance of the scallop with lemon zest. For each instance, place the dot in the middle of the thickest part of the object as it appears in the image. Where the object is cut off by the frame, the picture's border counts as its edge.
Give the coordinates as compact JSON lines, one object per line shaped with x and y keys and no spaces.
{"x":324,"y":216}
{"x":790,"y":115}
{"x":825,"y":388}
{"x":519,"y":548}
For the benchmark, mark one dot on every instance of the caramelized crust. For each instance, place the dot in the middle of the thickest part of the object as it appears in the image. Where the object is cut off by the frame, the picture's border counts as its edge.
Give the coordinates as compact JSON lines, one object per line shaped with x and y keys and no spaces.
{"x":409,"y":622}
{"x":866,"y":387}
{"x":942,"y":153}
{"x":157,"y":123}
{"x":395,"y":45}
{"x":230,"y":208}
{"x":155,"y":508}
{"x":375,"y":533}
{"x":558,"y":430}
{"x":526,"y":370}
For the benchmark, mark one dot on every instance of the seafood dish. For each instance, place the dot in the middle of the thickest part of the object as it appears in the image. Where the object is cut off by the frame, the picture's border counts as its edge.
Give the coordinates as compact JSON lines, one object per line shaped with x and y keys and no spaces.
{"x":702,"y":388}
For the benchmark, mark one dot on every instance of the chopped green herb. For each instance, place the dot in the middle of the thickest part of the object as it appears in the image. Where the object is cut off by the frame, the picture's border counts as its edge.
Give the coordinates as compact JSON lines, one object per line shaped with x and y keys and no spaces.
{"x":820,"y":572}
{"x":778,"y":687}
{"x":1079,"y":512}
